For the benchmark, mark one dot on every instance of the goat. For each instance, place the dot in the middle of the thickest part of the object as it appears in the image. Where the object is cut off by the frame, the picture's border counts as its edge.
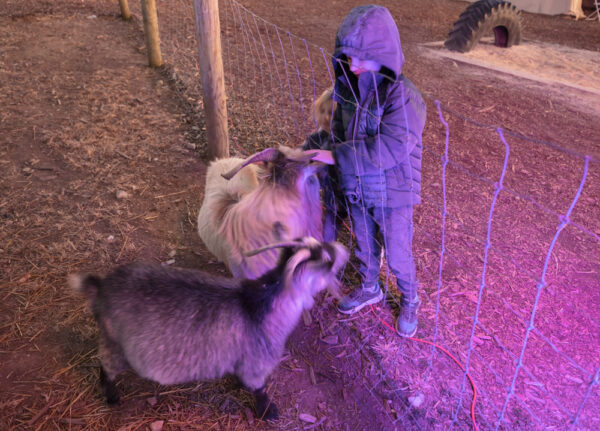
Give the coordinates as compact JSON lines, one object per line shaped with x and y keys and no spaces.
{"x":175,"y":325}
{"x":233,"y":218}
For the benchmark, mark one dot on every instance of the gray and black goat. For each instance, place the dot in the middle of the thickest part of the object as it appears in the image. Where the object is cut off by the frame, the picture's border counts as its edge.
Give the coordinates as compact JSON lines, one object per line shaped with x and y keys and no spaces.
{"x":174,"y":325}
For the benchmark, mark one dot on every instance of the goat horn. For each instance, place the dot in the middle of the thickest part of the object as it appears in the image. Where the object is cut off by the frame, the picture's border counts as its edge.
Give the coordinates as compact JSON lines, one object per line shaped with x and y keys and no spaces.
{"x":264,"y":156}
{"x":274,"y":245}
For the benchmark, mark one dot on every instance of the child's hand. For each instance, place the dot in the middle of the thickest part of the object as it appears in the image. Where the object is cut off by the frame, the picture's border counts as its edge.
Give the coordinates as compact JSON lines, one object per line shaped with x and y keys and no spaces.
{"x":322,"y":156}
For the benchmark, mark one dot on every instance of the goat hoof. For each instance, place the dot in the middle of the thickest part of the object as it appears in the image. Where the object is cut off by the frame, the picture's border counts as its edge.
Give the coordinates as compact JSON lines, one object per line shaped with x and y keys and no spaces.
{"x":265,"y":409}
{"x":113,"y":400}
{"x":270,"y":413}
{"x":111,"y":393}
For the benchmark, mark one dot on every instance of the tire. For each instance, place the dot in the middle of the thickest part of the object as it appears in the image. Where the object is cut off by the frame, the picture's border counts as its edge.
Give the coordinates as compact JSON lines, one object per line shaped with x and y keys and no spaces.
{"x":499,"y":17}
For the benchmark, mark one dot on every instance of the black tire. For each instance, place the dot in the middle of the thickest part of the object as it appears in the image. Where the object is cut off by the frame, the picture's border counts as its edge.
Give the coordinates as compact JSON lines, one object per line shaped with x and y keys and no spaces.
{"x":499,"y":17}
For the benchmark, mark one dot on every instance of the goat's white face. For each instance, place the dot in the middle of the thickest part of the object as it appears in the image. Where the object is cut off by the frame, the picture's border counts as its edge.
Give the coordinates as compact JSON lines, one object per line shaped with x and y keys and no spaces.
{"x":315,"y":268}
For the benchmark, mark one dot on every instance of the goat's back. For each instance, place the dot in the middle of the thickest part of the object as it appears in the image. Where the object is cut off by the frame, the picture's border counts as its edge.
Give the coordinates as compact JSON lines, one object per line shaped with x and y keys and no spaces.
{"x":240,"y":185}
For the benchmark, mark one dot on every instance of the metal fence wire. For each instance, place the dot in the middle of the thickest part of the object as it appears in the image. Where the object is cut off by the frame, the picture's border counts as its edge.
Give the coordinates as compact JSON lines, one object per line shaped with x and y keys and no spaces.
{"x":495,"y":252}
{"x":502,"y":252}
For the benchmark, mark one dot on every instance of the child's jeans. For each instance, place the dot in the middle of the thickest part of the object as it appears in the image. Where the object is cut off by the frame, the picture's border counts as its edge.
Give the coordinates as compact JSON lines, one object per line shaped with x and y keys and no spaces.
{"x":392,"y":228}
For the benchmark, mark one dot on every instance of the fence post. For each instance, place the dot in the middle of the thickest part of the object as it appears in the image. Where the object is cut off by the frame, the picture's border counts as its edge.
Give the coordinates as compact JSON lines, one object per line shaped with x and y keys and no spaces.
{"x":125,"y":13}
{"x":576,"y":10}
{"x":208,"y":34}
{"x":151,"y":32}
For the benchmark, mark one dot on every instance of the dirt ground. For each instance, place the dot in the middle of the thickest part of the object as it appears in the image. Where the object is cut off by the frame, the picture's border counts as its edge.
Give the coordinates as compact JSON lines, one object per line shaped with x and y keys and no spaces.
{"x":102,"y":162}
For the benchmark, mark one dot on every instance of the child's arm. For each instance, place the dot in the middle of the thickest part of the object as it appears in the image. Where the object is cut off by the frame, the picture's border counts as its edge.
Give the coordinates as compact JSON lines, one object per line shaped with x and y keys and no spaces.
{"x":399,"y":132}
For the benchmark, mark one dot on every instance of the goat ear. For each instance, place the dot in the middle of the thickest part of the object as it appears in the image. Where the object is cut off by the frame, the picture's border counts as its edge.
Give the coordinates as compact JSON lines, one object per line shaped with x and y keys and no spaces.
{"x":322,"y":156}
{"x":304,"y":156}
{"x":299,"y":256}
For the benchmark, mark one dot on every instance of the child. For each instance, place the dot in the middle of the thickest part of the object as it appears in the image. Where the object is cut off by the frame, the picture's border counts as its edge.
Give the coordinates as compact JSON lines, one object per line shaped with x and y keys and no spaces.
{"x":333,"y":200}
{"x":377,"y":127}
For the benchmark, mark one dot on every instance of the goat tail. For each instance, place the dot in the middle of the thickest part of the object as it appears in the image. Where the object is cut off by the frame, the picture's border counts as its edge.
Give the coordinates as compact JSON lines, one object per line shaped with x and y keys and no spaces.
{"x":85,"y":284}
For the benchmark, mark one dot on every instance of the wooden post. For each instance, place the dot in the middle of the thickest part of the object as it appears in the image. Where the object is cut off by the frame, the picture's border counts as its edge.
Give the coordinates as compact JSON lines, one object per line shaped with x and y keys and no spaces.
{"x":576,"y":10}
{"x":151,"y":32}
{"x":125,"y":13}
{"x":208,"y":34}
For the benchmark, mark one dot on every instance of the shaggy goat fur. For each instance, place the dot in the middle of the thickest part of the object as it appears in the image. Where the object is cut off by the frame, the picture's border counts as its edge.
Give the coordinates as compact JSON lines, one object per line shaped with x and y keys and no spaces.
{"x":175,"y":325}
{"x":219,"y":195}
{"x":232,"y":221}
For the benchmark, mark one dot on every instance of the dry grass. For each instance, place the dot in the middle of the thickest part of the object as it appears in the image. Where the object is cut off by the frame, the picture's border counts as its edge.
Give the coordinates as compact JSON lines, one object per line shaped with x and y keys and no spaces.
{"x":82,"y":127}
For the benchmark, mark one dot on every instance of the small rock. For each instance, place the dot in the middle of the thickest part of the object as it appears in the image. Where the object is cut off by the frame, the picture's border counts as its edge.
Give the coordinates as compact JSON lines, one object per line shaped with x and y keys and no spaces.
{"x":416,"y":400}
{"x":157,"y":425}
{"x":110,"y":238}
{"x":331,"y":339}
{"x":122,"y":194}
{"x":172,"y":253}
{"x":190,"y":145}
{"x":169,"y":262}
{"x":305,"y":417}
{"x":152,"y":401}
{"x":92,"y":17}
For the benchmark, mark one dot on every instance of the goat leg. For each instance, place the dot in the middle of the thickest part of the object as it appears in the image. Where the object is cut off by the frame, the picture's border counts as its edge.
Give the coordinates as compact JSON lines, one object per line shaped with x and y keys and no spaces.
{"x":265,"y":409}
{"x":109,"y":388}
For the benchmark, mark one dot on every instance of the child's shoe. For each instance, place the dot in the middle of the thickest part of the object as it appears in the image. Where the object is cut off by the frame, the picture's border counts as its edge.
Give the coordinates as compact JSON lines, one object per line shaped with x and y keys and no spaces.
{"x":360,"y":298}
{"x":406,"y":324}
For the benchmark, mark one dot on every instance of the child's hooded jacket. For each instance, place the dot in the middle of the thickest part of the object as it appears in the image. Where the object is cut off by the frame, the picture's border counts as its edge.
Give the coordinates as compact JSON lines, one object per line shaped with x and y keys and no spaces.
{"x":380,"y":116}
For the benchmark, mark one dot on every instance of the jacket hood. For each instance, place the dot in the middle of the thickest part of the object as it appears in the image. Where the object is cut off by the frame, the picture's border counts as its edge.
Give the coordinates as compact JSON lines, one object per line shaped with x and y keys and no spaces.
{"x":369,"y":33}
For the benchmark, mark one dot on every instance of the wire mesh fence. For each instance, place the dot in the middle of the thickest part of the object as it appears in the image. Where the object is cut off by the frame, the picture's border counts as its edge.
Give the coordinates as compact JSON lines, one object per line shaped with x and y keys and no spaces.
{"x":504,"y":250}
{"x":506,"y":239}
